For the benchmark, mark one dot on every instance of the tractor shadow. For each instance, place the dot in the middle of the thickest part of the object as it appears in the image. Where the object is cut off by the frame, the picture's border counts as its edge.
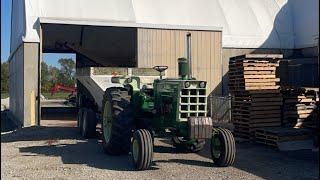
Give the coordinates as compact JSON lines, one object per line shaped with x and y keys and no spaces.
{"x":187,"y":162}
{"x":66,"y":143}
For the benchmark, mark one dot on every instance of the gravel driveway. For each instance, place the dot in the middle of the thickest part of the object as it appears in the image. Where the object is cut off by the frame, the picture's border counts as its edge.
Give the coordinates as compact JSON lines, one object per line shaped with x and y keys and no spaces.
{"x":61,"y":153}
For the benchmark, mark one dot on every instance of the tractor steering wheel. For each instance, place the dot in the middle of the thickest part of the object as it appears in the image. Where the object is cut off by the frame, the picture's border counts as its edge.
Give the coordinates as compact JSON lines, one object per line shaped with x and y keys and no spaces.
{"x":160,"y":68}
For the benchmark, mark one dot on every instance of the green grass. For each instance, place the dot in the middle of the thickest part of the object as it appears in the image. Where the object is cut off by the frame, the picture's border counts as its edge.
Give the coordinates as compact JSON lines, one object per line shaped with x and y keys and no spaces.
{"x":59,"y":95}
{"x":4,"y":95}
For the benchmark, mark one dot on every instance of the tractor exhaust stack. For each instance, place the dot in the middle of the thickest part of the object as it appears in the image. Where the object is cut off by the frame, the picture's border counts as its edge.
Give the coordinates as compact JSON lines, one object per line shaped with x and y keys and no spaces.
{"x":189,"y":57}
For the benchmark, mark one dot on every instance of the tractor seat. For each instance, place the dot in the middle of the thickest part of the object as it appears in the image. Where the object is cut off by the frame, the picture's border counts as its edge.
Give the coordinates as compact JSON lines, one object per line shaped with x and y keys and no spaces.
{"x":160,"y":68}
{"x":147,"y":86}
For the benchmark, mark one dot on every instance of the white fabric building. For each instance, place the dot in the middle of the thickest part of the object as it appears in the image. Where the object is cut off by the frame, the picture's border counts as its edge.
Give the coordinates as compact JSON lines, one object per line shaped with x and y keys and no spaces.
{"x":247,"y":26}
{"x":284,"y":24}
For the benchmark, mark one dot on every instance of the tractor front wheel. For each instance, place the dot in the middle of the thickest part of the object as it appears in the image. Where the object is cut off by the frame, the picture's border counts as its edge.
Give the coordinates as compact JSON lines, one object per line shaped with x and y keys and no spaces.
{"x":223,"y":147}
{"x":142,"y":149}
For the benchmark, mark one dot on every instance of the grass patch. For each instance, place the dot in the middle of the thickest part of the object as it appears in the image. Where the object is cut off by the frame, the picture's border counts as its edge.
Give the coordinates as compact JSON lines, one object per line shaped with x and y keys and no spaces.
{"x":59,"y":95}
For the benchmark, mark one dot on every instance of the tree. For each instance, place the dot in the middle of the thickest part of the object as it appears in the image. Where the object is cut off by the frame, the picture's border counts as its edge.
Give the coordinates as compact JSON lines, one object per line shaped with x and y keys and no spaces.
{"x":4,"y":77}
{"x":67,"y":71}
{"x":45,"y":77}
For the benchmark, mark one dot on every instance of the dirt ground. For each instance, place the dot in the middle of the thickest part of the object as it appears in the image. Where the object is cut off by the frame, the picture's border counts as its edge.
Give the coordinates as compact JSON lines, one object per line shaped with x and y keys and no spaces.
{"x":55,"y":150}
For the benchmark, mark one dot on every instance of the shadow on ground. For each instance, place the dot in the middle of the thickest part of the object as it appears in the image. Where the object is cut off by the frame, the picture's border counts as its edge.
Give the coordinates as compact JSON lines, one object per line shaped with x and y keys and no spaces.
{"x":65,"y":142}
{"x":6,"y":124}
{"x":61,"y":113}
{"x":269,"y":163}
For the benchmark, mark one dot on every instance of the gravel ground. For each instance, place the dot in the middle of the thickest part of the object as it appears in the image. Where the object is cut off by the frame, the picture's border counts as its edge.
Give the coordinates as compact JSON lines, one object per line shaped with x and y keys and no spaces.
{"x":53,"y":152}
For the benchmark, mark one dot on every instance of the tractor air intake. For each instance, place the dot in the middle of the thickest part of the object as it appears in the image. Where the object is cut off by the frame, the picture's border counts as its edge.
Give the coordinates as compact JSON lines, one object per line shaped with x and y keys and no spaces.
{"x":183,"y":68}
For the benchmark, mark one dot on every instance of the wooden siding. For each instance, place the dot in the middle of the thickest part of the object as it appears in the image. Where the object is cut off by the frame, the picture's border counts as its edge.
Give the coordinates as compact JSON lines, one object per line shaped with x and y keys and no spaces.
{"x":164,"y":47}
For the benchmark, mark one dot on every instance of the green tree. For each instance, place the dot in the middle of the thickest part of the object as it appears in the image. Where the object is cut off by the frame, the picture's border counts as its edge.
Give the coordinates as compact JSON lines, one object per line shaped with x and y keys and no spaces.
{"x":67,"y":71}
{"x":4,"y":77}
{"x":54,"y":73}
{"x":45,"y":77}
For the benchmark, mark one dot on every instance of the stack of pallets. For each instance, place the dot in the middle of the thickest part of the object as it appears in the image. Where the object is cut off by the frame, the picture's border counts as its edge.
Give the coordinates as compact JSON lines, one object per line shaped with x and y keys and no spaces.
{"x":300,"y":107}
{"x":256,"y":98}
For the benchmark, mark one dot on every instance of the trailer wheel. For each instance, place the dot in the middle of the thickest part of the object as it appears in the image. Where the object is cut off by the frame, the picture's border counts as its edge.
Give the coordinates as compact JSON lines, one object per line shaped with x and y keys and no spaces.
{"x":223,"y":147}
{"x":188,"y":145}
{"x":117,"y":121}
{"x":80,"y":119}
{"x":80,"y":99}
{"x":142,"y":149}
{"x":88,"y":123}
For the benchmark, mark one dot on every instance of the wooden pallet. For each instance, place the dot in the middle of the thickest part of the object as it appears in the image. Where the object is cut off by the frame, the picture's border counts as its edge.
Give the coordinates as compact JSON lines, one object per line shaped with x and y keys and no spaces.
{"x":247,"y":73}
{"x":300,"y":107}
{"x":273,"y":136}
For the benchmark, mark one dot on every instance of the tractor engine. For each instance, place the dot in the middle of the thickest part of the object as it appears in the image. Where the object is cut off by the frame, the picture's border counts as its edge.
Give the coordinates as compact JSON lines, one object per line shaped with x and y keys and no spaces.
{"x":181,"y":103}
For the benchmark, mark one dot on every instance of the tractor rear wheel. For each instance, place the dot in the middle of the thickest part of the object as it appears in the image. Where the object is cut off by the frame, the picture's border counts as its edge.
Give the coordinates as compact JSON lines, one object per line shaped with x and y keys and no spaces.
{"x":188,"y":145}
{"x":117,"y":121}
{"x":89,"y":123}
{"x":223,"y":147}
{"x":142,"y":149}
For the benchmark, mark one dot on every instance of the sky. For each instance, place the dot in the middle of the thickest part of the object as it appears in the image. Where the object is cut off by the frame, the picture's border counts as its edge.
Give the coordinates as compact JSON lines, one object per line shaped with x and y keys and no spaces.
{"x":50,"y":59}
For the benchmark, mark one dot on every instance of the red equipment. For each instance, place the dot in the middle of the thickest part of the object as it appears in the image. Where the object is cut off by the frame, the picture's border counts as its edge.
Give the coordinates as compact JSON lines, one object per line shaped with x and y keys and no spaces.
{"x":59,"y":87}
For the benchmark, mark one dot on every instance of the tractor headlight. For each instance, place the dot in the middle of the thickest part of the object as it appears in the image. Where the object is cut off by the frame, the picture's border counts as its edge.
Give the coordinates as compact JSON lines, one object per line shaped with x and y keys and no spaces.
{"x":202,"y":84}
{"x":187,"y":84}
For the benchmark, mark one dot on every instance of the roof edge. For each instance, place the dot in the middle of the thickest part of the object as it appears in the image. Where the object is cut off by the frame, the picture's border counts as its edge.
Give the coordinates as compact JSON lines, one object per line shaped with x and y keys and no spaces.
{"x":95,"y":22}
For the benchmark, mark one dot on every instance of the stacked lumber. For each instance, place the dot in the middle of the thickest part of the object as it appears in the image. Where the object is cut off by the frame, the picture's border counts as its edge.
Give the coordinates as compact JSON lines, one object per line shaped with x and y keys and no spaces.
{"x":256,"y":98}
{"x":300,"y":107}
{"x":276,"y":136}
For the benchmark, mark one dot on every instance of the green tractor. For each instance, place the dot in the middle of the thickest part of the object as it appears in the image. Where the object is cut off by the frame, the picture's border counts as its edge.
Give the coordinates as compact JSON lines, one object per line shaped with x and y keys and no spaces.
{"x":133,"y":114}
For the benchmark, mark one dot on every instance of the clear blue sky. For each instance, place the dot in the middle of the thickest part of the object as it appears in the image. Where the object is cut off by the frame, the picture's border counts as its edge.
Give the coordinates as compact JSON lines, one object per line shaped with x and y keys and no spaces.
{"x":51,"y":59}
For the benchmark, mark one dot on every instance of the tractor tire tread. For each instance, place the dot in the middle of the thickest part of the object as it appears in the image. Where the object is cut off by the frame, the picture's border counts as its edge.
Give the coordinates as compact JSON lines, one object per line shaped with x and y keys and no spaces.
{"x":122,"y":122}
{"x":227,"y":155}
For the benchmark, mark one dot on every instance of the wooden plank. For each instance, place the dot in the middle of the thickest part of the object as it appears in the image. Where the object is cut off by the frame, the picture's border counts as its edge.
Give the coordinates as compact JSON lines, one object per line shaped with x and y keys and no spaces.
{"x":273,"y":111}
{"x":264,"y":56}
{"x":256,"y":120}
{"x":252,"y":104}
{"x":255,"y":87}
{"x":252,"y":76}
{"x":249,"y":64}
{"x":239,"y":72}
{"x":257,"y":80}
{"x":307,"y":111}
{"x":259,"y":68}
{"x":298,"y":100}
{"x":259,"y":76}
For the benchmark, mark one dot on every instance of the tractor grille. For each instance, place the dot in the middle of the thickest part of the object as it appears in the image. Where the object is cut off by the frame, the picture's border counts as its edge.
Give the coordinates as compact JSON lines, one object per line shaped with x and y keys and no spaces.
{"x":193,"y":103}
